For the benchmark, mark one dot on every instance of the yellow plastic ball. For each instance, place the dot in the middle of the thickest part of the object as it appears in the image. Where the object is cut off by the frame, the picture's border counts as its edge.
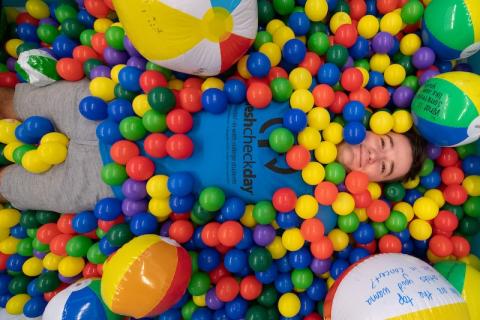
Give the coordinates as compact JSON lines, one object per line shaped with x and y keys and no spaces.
{"x":472,"y":185}
{"x":316,"y":10}
{"x":273,"y":25}
{"x":392,"y":23}
{"x":211,"y":83}
{"x":103,"y":88}
{"x":157,"y":186}
{"x":7,"y":130}
{"x":361,"y":214}
{"x":51,"y":261}
{"x":343,"y":204}
{"x":242,"y":67}
{"x":368,"y":26}
{"x":318,"y":118}
{"x":366,"y":76}
{"x":4,"y":233}
{"x":300,"y":78}
{"x":306,"y":206}
{"x":276,"y":248}
{"x":410,"y":44}
{"x":37,"y":9}
{"x":289,"y":305}
{"x":301,"y":99}
{"x":199,"y":300}
{"x":412,"y":183}
{"x":432,"y":258}
{"x":302,"y":38}
{"x":282,"y":35}
{"x":339,"y":19}
{"x":116,"y":71}
{"x":9,"y":217}
{"x":55,"y":137}
{"x":140,"y":105}
{"x":71,"y":266}
{"x":272,"y":51}
{"x":101,"y":25}
{"x":420,"y":229}
{"x":313,"y":173}
{"x":471,"y":260}
{"x":394,"y":74}
{"x":159,"y":207}
{"x":292,"y":239}
{"x":117,"y":24}
{"x":339,"y":239}
{"x":10,"y":148}
{"x":402,"y":121}
{"x":381,"y":122}
{"x":247,"y":219}
{"x":16,"y":303}
{"x":406,"y":209}
{"x":425,"y":208}
{"x":375,"y":190}
{"x":379,"y":62}
{"x":52,"y":152}
{"x":326,"y":152}
{"x":32,"y":267}
{"x":175,"y":84}
{"x":310,"y":138}
{"x":437,"y":196}
{"x":333,"y":133}
{"x":32,"y":162}
{"x":9,"y":245}
{"x":11,"y":47}
{"x":330,"y":282}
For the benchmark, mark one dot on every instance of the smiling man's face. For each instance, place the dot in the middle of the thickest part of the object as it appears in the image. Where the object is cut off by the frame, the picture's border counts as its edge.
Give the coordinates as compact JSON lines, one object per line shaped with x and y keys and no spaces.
{"x":381,"y":157}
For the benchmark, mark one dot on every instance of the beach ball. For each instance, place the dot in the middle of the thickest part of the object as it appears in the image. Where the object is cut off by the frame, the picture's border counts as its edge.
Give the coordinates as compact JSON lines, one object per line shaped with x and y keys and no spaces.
{"x":37,"y":67}
{"x":466,"y":280}
{"x":146,"y":276}
{"x":80,"y":301}
{"x":446,"y":109}
{"x":200,"y":37}
{"x":452,"y":28}
{"x":395,"y":287}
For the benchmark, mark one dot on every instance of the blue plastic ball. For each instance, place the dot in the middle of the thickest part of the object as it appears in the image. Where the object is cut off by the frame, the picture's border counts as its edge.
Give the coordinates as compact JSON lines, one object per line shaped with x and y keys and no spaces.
{"x":354,"y":132}
{"x":375,"y":79}
{"x":307,"y":305}
{"x":235,"y":260}
{"x":288,"y":220}
{"x":403,"y":235}
{"x":357,"y":254}
{"x":86,"y":19}
{"x":18,"y":231}
{"x":34,"y":307}
{"x":108,"y":209}
{"x":299,"y":23}
{"x":180,"y":204}
{"x":360,"y":49}
{"x":300,"y":259}
{"x":247,"y":240}
{"x":337,"y":268}
{"x":197,"y":238}
{"x":84,"y":222}
{"x":294,"y":51}
{"x":27,"y":32}
{"x":471,"y":165}
{"x":345,"y":253}
{"x":4,"y":282}
{"x":15,"y":262}
{"x":233,"y":208}
{"x":220,"y":315}
{"x":268,"y":276}
{"x":119,"y":109}
{"x":180,"y":183}
{"x":332,"y":4}
{"x":432,"y":180}
{"x":318,"y":290}
{"x":364,"y":233}
{"x":412,"y":195}
{"x":93,"y":108}
{"x":106,"y":247}
{"x":63,"y":46}
{"x":295,"y":120}
{"x":353,"y":111}
{"x":372,"y":7}
{"x":283,"y":265}
{"x":4,"y":299}
{"x":32,"y":289}
{"x":108,"y":133}
{"x":171,"y":314}
{"x":33,"y":129}
{"x":258,"y":64}
{"x":328,"y":218}
{"x":328,"y":74}
{"x":237,"y":308}
{"x":208,"y":259}
{"x":129,"y":78}
{"x":214,"y":101}
{"x":236,"y":91}
{"x":283,"y":283}
{"x":407,"y":247}
{"x":143,"y":223}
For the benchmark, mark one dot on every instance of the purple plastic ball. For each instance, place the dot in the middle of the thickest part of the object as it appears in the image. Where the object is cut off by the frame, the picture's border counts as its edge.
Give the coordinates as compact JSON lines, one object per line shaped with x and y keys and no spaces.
{"x":342,"y":187}
{"x":320,"y":266}
{"x":383,"y":42}
{"x":49,"y":21}
{"x":132,"y":207}
{"x":463,"y":67}
{"x":69,"y":280}
{"x":127,"y":44}
{"x":11,"y":64}
{"x":100,"y":71}
{"x":348,"y":64}
{"x":165,"y":227}
{"x":134,"y":190}
{"x":427,"y":75}
{"x":263,"y":234}
{"x":423,"y":58}
{"x":137,"y":62}
{"x":212,"y":300}
{"x":38,"y":254}
{"x":402,"y":97}
{"x":114,"y":57}
{"x":433,"y":151}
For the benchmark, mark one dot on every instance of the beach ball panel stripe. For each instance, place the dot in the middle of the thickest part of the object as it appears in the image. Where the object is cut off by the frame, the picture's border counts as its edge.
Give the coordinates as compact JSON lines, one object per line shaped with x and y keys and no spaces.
{"x":435,"y":132}
{"x":446,"y":312}
{"x":197,"y":10}
{"x":176,"y":290}
{"x":228,"y":49}
{"x":473,"y":7}
{"x":441,"y":49}
{"x":244,"y":16}
{"x":52,"y":313}
{"x":109,"y":315}
{"x":471,"y":291}
{"x":227,"y":5}
{"x":76,"y":302}
{"x":463,"y":81}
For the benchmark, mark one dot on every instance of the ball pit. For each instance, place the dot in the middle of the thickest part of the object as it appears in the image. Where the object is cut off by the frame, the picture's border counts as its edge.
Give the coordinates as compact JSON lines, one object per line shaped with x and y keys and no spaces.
{"x":327,"y":71}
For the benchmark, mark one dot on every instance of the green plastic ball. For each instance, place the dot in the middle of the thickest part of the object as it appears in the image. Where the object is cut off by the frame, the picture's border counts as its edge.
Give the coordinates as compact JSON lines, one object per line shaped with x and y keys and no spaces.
{"x":396,"y":222}
{"x":264,"y":212}
{"x":122,"y":93}
{"x":72,"y":28}
{"x":119,"y":234}
{"x":281,"y":140}
{"x":281,"y":89}
{"x":44,"y":216}
{"x":64,"y":12}
{"x":18,"y":284}
{"x":266,"y":13}
{"x":394,"y":191}
{"x":269,"y":296}
{"x":335,"y":172}
{"x":412,"y":12}
{"x":19,"y":152}
{"x":199,"y":284}
{"x":283,"y":7}
{"x":78,"y":246}
{"x":348,"y":223}
{"x":47,"y":33}
{"x":132,"y":128}
{"x":471,"y":207}
{"x":380,"y":229}
{"x":256,"y":312}
{"x":47,"y":281}
{"x":318,"y":43}
{"x":25,"y":247}
{"x":427,"y":168}
{"x":212,"y":199}
{"x":90,"y":64}
{"x":94,"y":255}
{"x":114,"y":37}
{"x":337,"y":55}
{"x":114,"y":174}
{"x":259,"y":259}
{"x":302,"y":278}
{"x":161,"y":99}
{"x":86,"y":37}
{"x":261,"y":38}
{"x":188,"y":309}
{"x":28,"y":219}
{"x":154,"y":121}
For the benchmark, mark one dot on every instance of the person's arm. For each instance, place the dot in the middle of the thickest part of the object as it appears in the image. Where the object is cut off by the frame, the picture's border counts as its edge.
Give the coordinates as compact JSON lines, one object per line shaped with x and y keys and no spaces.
{"x":6,"y":104}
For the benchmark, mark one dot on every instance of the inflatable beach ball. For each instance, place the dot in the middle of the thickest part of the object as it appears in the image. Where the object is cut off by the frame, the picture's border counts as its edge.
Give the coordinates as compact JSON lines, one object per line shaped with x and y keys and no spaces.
{"x":446,"y":109}
{"x":200,"y":37}
{"x":394,"y":287}
{"x":146,"y":276}
{"x":466,"y":280}
{"x":452,"y":28}
{"x":80,"y":301}
{"x":37,"y":67}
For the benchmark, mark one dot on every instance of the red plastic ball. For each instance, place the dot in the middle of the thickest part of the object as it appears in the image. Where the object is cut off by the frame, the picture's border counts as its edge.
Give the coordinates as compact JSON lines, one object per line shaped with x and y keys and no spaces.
{"x":379,"y":97}
{"x":90,"y":271}
{"x":339,"y":102}
{"x":64,"y":223}
{"x":370,"y":247}
{"x":284,"y":199}
{"x":378,"y":211}
{"x":49,"y":295}
{"x":362,"y":95}
{"x":24,"y":17}
{"x":448,"y":157}
{"x":362,"y":199}
{"x":446,"y":221}
{"x":190,"y":99}
{"x":346,"y":35}
{"x":259,"y":95}
{"x":461,"y":246}
{"x":179,"y":121}
{"x":70,"y":69}
{"x":312,"y":230}
{"x":193,"y":82}
{"x":109,"y":3}
{"x":155,"y":145}
{"x":358,"y":8}
{"x":151,"y":79}
{"x":97,"y":8}
{"x":326,"y":192}
{"x":452,"y":175}
{"x":209,"y":234}
{"x":455,"y":194}
{"x":179,"y":146}
{"x":313,"y":316}
{"x":84,"y":53}
{"x":386,"y":6}
{"x":3,"y":261}
{"x":277,"y":72}
{"x":322,"y":249}
{"x":323,"y":95}
{"x":250,"y":288}
{"x":312,"y":62}
{"x":181,"y":231}
{"x":227,"y":289}
{"x":218,"y":273}
{"x":47,"y":232}
{"x":140,"y":168}
{"x":124,"y":150}
{"x":297,"y":157}
{"x":59,"y":243}
{"x":390,"y":244}
{"x":356,"y":182}
{"x":230,"y":233}
{"x":8,"y":80}
{"x":99,"y":43}
{"x":440,"y":246}
{"x":106,"y":225}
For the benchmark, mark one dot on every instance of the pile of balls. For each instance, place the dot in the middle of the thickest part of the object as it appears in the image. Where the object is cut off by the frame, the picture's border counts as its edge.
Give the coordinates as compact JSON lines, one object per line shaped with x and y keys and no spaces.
{"x":343,"y":66}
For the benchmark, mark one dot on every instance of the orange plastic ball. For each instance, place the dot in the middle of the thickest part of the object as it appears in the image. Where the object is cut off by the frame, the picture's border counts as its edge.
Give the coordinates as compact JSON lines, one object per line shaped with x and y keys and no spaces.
{"x":230,"y":233}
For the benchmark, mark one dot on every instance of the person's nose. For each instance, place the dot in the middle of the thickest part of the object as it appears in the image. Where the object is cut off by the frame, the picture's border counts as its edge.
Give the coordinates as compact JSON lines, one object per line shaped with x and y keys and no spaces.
{"x":374,"y":155}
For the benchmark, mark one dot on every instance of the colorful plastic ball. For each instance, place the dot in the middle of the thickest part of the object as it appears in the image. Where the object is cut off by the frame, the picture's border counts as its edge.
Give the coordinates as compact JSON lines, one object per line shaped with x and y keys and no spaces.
{"x":364,"y":234}
{"x":235,"y":90}
{"x":259,"y":259}
{"x":289,"y":305}
{"x":381,"y":122}
{"x":299,"y":23}
{"x":63,"y":46}
{"x":390,"y":244}
{"x":258,"y":64}
{"x":214,"y":101}
{"x":70,"y":69}
{"x":93,"y":108}
{"x":353,"y":111}
{"x":281,"y":140}
{"x":328,"y":74}
{"x":351,"y":79}
{"x":129,"y":78}
{"x":354,"y":132}
{"x":259,"y":95}
{"x":294,"y":51}
{"x":212,"y":199}
{"x":230,"y":233}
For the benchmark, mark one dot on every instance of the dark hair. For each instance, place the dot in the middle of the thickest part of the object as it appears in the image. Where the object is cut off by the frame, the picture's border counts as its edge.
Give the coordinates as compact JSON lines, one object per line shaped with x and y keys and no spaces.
{"x":419,"y":154}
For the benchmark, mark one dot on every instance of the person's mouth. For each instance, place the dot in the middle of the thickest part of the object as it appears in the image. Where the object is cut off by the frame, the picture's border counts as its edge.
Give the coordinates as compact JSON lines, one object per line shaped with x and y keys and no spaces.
{"x":360,"y":157}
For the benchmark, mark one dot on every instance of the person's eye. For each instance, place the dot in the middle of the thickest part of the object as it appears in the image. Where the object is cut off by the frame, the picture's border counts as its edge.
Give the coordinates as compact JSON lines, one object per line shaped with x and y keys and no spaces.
{"x":383,"y":167}
{"x":383,"y":143}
